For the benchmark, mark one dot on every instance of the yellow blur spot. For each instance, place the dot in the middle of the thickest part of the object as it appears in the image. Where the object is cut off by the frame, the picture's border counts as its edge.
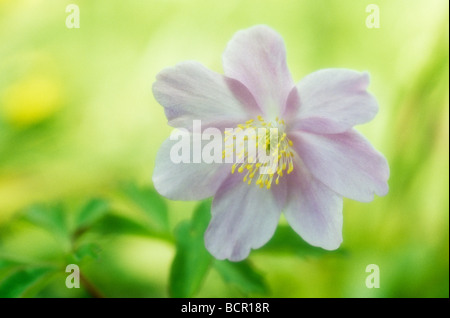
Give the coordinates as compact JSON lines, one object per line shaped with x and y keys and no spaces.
{"x":30,"y":101}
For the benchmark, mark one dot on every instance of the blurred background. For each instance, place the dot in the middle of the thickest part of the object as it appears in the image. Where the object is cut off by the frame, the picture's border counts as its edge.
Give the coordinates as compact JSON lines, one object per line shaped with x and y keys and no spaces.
{"x":79,"y":131}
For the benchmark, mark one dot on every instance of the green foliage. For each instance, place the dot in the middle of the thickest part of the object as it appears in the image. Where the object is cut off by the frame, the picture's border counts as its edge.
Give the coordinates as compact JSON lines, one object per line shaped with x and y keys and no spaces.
{"x":6,"y":266}
{"x":25,"y":278}
{"x":114,"y":224}
{"x":152,"y":204}
{"x":97,"y":219}
{"x":89,"y":249}
{"x":243,"y":275}
{"x":51,"y":218}
{"x":287,"y":241}
{"x":91,"y":213}
{"x":192,"y":260}
{"x":21,"y":280}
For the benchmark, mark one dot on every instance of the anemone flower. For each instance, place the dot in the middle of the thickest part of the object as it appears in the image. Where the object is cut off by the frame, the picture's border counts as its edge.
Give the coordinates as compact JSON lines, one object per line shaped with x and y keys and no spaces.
{"x":321,"y":158}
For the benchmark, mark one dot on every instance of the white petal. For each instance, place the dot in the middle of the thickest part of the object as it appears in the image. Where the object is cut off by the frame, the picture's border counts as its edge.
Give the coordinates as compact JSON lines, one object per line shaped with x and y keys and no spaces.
{"x":243,"y":217}
{"x":189,"y":91}
{"x":346,"y":162}
{"x":257,"y":58}
{"x":186,"y":181}
{"x":313,"y":210}
{"x":333,"y":101}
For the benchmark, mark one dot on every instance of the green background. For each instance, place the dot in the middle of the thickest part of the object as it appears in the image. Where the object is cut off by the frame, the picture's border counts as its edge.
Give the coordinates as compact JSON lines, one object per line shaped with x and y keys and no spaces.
{"x":79,"y":131}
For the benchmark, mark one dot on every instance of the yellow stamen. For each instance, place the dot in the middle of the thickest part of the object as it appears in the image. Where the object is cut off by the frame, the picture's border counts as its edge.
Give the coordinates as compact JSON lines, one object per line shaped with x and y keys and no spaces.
{"x":278,"y":155}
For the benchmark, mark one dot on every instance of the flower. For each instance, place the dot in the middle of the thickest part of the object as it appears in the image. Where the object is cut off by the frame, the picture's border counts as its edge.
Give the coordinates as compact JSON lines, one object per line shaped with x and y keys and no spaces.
{"x":321,"y":157}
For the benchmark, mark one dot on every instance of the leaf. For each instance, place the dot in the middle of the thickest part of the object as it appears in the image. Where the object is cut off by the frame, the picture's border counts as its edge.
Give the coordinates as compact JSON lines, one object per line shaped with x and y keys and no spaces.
{"x":192,"y":260}
{"x":150,"y":202}
{"x":286,"y":240}
{"x":92,"y":212}
{"x":6,"y":266}
{"x":243,"y":275}
{"x":201,"y":218}
{"x":114,"y":224}
{"x":89,"y":249}
{"x":51,"y":218}
{"x":17,"y":284}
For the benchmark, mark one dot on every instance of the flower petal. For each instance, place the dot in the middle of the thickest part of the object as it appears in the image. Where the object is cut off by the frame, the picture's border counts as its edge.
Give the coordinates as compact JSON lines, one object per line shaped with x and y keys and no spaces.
{"x":257,"y":58}
{"x":189,"y":91}
{"x":313,"y":210}
{"x":333,"y":101}
{"x":243,"y":217}
{"x":347,"y":163}
{"x":186,"y":181}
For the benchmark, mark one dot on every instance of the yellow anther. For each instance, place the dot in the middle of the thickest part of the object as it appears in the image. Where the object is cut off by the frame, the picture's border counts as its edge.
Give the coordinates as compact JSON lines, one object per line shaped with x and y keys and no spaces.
{"x":291,"y":167}
{"x":279,"y":152}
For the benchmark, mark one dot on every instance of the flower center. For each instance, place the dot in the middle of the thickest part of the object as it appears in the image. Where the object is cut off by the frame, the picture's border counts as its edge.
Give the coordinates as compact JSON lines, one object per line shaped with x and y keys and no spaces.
{"x":263,"y":151}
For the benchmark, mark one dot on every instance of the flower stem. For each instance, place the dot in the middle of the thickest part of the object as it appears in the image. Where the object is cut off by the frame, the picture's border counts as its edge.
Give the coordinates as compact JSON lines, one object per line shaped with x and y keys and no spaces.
{"x":90,"y":288}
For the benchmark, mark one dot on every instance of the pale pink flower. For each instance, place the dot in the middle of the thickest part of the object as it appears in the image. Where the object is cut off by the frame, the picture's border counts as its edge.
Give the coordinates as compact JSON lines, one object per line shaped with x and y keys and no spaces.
{"x":329,"y":159}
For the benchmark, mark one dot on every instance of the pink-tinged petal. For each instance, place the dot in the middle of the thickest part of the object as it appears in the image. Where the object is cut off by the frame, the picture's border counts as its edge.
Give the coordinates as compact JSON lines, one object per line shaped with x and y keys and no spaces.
{"x":243,"y":217}
{"x":313,"y":210}
{"x":257,"y":58}
{"x":189,"y":91}
{"x":332,"y":101}
{"x":346,"y":162}
{"x":186,"y":181}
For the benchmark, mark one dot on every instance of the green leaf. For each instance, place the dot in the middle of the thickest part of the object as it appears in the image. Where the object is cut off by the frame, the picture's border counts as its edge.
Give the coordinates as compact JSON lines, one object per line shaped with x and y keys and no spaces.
{"x":52,"y":218}
{"x":6,"y":266}
{"x":20,"y":281}
{"x":114,"y":224}
{"x":242,"y":275}
{"x":201,"y":218}
{"x":192,"y":260}
{"x":92,"y":212}
{"x":89,"y":249}
{"x":286,"y":240}
{"x":150,"y":202}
